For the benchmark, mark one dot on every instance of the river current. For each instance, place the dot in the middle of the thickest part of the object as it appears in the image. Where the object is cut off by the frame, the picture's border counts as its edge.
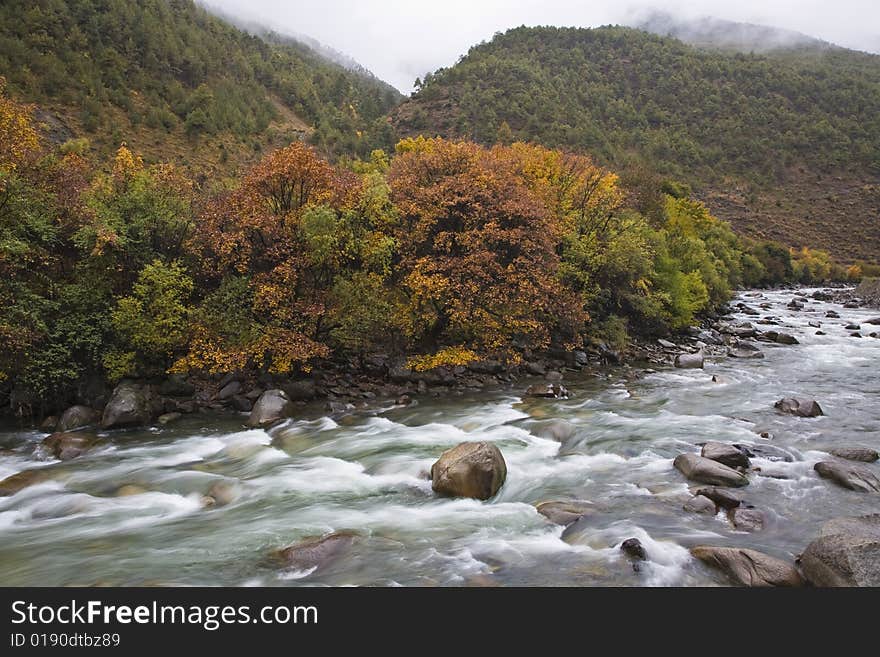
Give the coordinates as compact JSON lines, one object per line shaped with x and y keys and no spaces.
{"x":130,"y":512}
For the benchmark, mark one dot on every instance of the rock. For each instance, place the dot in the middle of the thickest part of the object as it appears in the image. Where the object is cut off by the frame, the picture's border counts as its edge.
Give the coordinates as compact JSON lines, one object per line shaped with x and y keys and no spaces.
{"x":846,"y":553}
{"x":224,"y":492}
{"x":49,"y":424}
{"x":726,"y":454}
{"x":129,"y":490}
{"x":821,"y":333}
{"x":558,"y":430}
{"x":720,"y":496}
{"x":176,"y":386}
{"x":272,"y":406}
{"x":744,"y":350}
{"x":666,"y":344}
{"x":814,"y":324}
{"x":304,"y":390}
{"x":710,"y":336}
{"x":800,"y":407}
{"x":67,"y":446}
{"x":862,"y":454}
{"x":486,"y":367}
{"x":849,"y":475}
{"x":855,"y":335}
{"x":748,"y":567}
{"x":745,"y":519}
{"x":536,"y":369}
{"x":564,"y":513}
{"x":77,"y":417}
{"x":20,"y":480}
{"x":547,"y":391}
{"x":554,"y":377}
{"x":689,"y":361}
{"x":874,"y":321}
{"x":242,"y":404}
{"x":768,"y":452}
{"x":785,"y":338}
{"x":474,"y":470}
{"x":700,"y":504}
{"x":832,"y":314}
{"x":168,"y":418}
{"x":131,"y":404}
{"x":317,"y":552}
{"x":633,"y":548}
{"x":707,"y":471}
{"x":852,"y":327}
{"x":229,"y":390}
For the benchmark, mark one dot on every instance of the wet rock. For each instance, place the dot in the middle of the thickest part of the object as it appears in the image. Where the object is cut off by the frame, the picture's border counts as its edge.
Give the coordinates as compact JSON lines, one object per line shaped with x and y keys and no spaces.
{"x":168,"y":418}
{"x":785,"y":338}
{"x":710,"y":336}
{"x":800,"y":407}
{"x":726,"y":454}
{"x":768,"y":452}
{"x":862,"y":454}
{"x":849,"y":475}
{"x":832,"y":314}
{"x":20,"y":480}
{"x":821,"y":333}
{"x":744,"y":350}
{"x":224,"y":492}
{"x":304,"y":390}
{"x":536,"y":368}
{"x":748,"y":567}
{"x":855,"y":335}
{"x":689,"y":361}
{"x":547,"y":391}
{"x":558,"y":430}
{"x":229,"y":390}
{"x":746,"y":519}
{"x":77,"y":417}
{"x":707,"y":471}
{"x":129,"y":490}
{"x":564,"y":513}
{"x":852,"y":327}
{"x":720,"y":496}
{"x":67,"y":446}
{"x":814,"y":324}
{"x":317,"y":552}
{"x":701,"y":504}
{"x":242,"y":404}
{"x":49,"y":423}
{"x":874,"y":321}
{"x":633,"y":548}
{"x":131,"y":404}
{"x":474,"y":470}
{"x":846,"y":553}
{"x":272,"y":407}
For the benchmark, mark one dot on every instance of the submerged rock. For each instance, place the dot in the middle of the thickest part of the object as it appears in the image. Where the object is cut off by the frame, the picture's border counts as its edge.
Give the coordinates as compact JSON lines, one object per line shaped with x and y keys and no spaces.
{"x":707,"y":471}
{"x":846,"y":553}
{"x":77,"y":417}
{"x":272,"y":406}
{"x":564,"y":513}
{"x":748,"y":567}
{"x":20,"y":480}
{"x":474,"y":470}
{"x":690,"y":361}
{"x":317,"y":552}
{"x":67,"y":446}
{"x":745,"y":519}
{"x":558,"y":430}
{"x":849,"y":475}
{"x":547,"y":391}
{"x":862,"y":454}
{"x":800,"y":407}
{"x":725,"y":454}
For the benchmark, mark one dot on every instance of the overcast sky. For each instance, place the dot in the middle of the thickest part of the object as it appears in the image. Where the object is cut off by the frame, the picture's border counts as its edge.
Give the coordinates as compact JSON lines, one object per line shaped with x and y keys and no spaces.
{"x":400,"y":40}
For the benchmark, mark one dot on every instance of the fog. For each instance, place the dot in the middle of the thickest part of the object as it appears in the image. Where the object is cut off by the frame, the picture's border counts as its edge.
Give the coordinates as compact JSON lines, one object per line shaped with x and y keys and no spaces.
{"x":399,"y":40}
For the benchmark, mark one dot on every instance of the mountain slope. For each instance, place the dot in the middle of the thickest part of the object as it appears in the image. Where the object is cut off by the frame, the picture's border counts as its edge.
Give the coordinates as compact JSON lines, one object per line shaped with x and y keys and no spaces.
{"x":179,"y":83}
{"x":758,"y":136}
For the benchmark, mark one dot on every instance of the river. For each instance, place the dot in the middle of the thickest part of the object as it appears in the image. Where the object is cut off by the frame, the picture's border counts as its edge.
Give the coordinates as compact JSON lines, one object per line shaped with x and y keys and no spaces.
{"x":366,"y":473}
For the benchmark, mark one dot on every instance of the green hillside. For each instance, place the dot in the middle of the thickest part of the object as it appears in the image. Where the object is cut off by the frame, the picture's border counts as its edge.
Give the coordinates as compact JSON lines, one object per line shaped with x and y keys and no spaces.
{"x":785,"y":145}
{"x":178,"y":83}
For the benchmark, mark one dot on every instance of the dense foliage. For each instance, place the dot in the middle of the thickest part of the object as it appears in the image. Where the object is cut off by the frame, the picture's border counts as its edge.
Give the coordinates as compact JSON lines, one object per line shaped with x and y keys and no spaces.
{"x":446,"y":252}
{"x":148,"y":69}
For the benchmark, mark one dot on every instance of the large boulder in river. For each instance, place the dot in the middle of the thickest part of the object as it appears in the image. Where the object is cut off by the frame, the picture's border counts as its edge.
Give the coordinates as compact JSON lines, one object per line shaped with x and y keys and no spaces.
{"x":846,"y":553}
{"x":744,"y":350}
{"x":131,"y":404}
{"x":707,"y":471}
{"x":849,"y":475}
{"x":726,"y":454}
{"x":77,"y":417}
{"x":564,"y":513}
{"x":862,"y":454}
{"x":66,"y":446}
{"x":690,"y":361}
{"x":748,"y":567}
{"x":800,"y":407}
{"x":469,"y":470}
{"x":272,"y":406}
{"x":317,"y":552}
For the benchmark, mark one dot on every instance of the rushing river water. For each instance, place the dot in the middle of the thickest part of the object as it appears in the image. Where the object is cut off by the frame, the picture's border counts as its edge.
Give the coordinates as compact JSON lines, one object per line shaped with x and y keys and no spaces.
{"x":366,"y":473}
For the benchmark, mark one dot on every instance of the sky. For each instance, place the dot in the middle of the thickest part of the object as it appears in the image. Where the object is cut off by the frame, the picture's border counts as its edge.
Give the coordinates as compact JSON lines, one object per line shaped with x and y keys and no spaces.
{"x":400,"y":40}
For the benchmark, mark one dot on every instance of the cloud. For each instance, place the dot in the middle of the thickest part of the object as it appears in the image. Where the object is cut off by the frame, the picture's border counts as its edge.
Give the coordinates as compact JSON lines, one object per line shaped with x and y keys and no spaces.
{"x":400,"y":40}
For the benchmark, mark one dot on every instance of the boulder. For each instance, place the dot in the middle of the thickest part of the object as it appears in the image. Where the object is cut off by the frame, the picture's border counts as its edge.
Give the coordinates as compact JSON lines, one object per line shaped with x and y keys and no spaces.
{"x":536,"y":368}
{"x":176,"y":386}
{"x":690,"y":361}
{"x":272,"y":407}
{"x":20,"y":480}
{"x":748,"y":567}
{"x":849,"y":475}
{"x":746,"y":519}
{"x":633,"y":548}
{"x":304,"y":390}
{"x":710,"y":336}
{"x":131,"y":404}
{"x":744,"y":350}
{"x":558,"y":430}
{"x":224,"y":492}
{"x":229,"y":390}
{"x":720,"y":496}
{"x":317,"y":552}
{"x":77,"y":417}
{"x":701,"y":504}
{"x":768,"y":452}
{"x":564,"y":513}
{"x":707,"y":471}
{"x":66,"y":446}
{"x":862,"y":454}
{"x":832,"y":314}
{"x":785,"y":338}
{"x":547,"y":391}
{"x":874,"y":321}
{"x":242,"y":404}
{"x":852,"y":327}
{"x":48,"y":425}
{"x":726,"y":454}
{"x":799,"y":407}
{"x":846,"y":553}
{"x":474,"y":470}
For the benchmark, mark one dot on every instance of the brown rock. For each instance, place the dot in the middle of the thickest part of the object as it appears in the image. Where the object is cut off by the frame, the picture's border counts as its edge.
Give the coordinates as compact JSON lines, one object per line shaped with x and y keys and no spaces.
{"x":474,"y":470}
{"x":748,"y":567}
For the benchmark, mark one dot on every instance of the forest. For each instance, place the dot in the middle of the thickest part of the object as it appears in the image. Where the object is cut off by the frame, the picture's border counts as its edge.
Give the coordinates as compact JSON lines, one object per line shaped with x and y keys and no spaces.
{"x":442,"y":252}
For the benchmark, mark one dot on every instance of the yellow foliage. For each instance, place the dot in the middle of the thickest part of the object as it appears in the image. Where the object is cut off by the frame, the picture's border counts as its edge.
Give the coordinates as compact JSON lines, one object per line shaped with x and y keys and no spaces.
{"x":446,"y":357}
{"x":126,"y":163}
{"x":18,"y":136}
